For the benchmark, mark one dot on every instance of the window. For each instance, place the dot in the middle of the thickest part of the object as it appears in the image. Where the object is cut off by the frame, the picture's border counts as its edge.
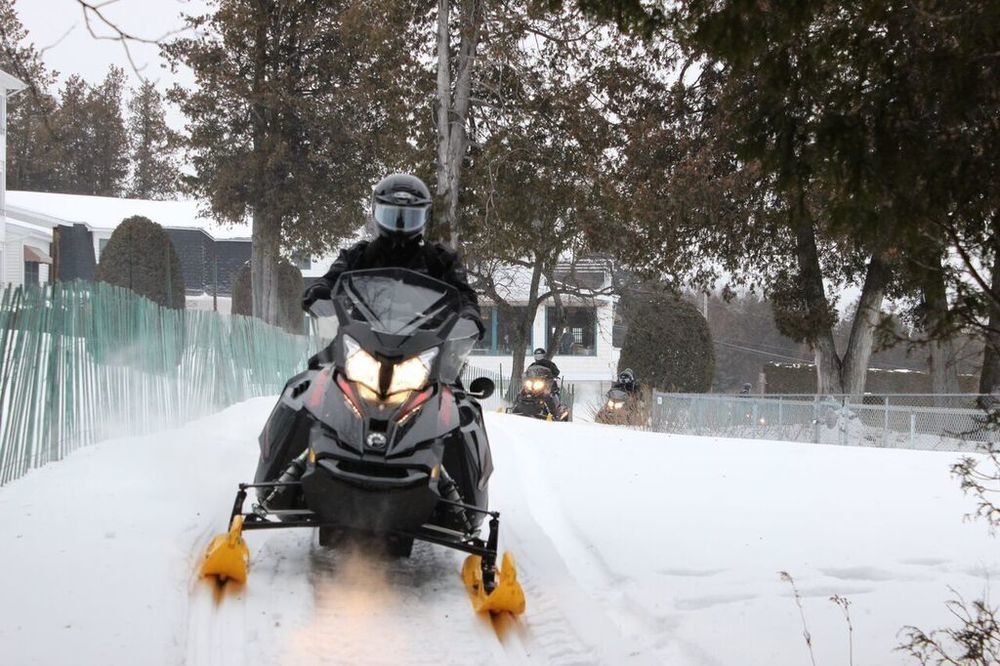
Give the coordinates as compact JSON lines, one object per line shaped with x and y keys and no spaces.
{"x":31,"y":272}
{"x":579,"y":336}
{"x":500,"y":331}
{"x":101,"y":244}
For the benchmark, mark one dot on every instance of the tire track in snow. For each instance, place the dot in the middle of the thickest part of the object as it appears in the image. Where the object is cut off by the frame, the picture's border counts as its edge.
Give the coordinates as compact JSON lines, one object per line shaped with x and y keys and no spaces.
{"x":563,"y":620}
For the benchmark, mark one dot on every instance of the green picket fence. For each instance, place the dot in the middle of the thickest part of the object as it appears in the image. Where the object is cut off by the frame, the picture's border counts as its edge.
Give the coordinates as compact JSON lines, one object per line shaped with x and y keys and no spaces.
{"x":82,"y":362}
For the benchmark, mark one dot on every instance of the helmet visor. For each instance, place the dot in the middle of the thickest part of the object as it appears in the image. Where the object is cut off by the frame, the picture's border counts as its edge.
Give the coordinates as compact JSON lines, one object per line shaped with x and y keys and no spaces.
{"x":400,"y":218}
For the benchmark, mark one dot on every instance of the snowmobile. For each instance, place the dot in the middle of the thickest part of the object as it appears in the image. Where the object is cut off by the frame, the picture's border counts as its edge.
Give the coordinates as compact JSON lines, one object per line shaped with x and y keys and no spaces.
{"x":622,"y":408}
{"x":378,"y":438}
{"x":536,"y":388}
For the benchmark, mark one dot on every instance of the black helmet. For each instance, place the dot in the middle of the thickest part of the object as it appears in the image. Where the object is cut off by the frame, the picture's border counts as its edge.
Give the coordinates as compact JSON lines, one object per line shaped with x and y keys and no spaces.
{"x":626,"y":376}
{"x":539,"y":354}
{"x":401,"y":206}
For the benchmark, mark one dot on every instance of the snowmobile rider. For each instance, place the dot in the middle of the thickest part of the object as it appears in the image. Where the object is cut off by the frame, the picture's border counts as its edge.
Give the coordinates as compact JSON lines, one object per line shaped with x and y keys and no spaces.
{"x":400,"y":213}
{"x":540,"y":359}
{"x":553,"y":400}
{"x":626,"y":382}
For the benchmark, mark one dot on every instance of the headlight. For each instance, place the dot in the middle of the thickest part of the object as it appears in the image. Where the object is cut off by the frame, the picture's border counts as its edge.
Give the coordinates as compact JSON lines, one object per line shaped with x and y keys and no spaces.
{"x":615,"y":404}
{"x":412,"y":374}
{"x":537,"y":384}
{"x":360,"y":366}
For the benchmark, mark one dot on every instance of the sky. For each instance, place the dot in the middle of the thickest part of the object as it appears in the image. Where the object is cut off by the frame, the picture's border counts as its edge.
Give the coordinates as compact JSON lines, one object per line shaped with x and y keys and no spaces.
{"x":59,"y":30}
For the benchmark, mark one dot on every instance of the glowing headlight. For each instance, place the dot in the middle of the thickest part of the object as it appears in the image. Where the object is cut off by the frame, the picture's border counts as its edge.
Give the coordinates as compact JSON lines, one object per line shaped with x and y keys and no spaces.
{"x":412,"y":374}
{"x":615,"y":404}
{"x":359,"y":365}
{"x":534,"y":385}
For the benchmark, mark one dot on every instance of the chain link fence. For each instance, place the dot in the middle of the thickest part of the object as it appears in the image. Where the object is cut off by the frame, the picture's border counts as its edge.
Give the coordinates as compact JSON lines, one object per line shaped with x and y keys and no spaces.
{"x":929,"y":422}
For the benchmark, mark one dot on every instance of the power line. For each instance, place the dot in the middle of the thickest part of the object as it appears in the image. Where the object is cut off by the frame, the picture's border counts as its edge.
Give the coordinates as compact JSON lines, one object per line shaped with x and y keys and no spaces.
{"x":799,"y":359}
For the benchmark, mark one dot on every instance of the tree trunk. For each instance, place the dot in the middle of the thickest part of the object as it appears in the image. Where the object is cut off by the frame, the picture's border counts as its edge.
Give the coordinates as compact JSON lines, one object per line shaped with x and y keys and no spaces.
{"x":558,"y":325}
{"x":265,"y":246}
{"x":443,"y":101}
{"x":828,"y":366}
{"x":265,"y":253}
{"x":520,"y":347}
{"x":941,"y":348}
{"x":453,"y":109}
{"x":854,"y":367}
{"x":989,"y":377}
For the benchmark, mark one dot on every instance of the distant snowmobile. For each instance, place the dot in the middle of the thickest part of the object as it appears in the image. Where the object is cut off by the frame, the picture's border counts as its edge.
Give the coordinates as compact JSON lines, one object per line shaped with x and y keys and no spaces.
{"x":537,"y":398}
{"x":622,"y":408}
{"x":378,"y":438}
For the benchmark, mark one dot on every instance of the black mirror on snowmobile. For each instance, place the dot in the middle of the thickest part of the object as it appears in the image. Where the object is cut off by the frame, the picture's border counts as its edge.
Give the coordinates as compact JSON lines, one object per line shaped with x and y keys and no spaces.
{"x":321,"y":309}
{"x":481,"y":388}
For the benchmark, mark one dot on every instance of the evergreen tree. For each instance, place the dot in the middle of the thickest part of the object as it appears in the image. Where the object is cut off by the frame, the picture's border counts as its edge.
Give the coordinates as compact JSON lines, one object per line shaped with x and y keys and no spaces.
{"x":668,"y":344}
{"x":154,"y":164}
{"x":91,"y":136}
{"x":300,"y":107}
{"x":32,"y":151}
{"x":75,"y":172}
{"x":140,"y":256}
{"x":109,"y":149}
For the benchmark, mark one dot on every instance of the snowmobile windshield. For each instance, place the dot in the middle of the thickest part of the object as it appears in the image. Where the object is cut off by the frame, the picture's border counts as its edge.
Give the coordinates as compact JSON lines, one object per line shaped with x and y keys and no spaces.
{"x":537,"y":372}
{"x":617,"y":394}
{"x":396,"y":301}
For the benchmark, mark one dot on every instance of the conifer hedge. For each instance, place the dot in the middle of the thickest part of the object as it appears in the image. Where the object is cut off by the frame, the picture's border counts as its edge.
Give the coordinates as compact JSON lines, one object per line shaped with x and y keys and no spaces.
{"x":668,"y":343}
{"x":139,"y":256}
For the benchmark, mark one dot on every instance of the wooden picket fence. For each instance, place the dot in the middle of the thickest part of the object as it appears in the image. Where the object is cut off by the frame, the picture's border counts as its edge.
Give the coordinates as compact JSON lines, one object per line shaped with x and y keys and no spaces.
{"x":82,"y":362}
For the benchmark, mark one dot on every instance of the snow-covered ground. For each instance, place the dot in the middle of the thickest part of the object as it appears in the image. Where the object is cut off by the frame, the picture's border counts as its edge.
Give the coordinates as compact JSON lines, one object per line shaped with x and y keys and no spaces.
{"x":633,"y":548}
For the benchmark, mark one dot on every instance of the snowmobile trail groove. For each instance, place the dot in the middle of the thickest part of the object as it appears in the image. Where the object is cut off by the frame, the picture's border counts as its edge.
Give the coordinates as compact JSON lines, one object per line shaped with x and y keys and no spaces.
{"x":306,"y":604}
{"x":633,"y":548}
{"x":560,"y":611}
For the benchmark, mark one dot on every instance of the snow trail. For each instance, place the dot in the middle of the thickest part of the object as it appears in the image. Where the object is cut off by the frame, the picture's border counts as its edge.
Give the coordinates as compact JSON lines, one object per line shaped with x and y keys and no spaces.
{"x":632,"y":548}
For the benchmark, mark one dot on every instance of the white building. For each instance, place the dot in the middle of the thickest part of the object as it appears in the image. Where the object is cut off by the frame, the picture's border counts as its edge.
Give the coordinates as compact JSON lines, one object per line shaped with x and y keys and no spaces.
{"x":587,"y":351}
{"x":24,"y":248}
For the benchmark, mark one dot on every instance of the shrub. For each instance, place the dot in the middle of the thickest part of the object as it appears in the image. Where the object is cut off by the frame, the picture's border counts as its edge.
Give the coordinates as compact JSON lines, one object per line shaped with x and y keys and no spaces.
{"x":290,"y":287}
{"x":668,"y":343}
{"x":139,"y":256}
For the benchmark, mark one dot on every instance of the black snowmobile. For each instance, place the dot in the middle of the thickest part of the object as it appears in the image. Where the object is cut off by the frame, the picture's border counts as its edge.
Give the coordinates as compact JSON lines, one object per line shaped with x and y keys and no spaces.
{"x":378,"y":438}
{"x":537,"y":388}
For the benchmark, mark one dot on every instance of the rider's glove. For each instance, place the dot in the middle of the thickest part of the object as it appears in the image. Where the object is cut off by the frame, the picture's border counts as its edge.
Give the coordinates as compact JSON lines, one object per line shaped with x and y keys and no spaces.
{"x":319,"y":291}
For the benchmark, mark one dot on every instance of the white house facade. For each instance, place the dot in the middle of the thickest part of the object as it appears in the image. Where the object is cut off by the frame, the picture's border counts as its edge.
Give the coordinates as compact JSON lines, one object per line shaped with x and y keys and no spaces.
{"x":21,"y":249}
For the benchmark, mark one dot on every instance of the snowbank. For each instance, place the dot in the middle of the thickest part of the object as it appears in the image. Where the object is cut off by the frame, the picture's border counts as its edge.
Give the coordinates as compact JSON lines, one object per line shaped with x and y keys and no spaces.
{"x":633,"y":547}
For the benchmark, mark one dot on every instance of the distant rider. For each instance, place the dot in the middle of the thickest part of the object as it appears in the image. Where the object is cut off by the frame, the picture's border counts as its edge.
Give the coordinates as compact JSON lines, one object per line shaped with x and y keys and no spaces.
{"x":626,"y":382}
{"x":552,"y":401}
{"x":541,"y":358}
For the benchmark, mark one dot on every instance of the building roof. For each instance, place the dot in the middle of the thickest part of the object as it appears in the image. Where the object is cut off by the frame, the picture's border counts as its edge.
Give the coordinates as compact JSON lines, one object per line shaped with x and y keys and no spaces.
{"x":48,"y":209}
{"x":8,"y":82}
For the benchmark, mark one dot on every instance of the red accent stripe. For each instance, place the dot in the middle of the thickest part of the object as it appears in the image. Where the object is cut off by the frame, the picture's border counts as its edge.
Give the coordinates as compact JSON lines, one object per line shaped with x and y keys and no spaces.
{"x":415,"y":402}
{"x":318,"y":389}
{"x":447,"y":404}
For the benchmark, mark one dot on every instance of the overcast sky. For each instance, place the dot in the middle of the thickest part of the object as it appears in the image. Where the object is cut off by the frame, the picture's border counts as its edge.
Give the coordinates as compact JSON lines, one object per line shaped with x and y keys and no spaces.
{"x":58,"y":29}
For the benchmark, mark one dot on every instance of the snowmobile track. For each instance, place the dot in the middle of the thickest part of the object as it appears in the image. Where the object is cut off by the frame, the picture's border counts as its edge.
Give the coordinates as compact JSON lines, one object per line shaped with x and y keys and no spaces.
{"x":563,"y":620}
